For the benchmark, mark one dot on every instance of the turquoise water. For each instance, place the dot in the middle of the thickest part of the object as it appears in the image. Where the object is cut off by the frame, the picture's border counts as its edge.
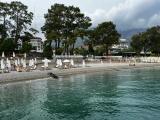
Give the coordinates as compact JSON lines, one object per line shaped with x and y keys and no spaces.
{"x":117,"y":95}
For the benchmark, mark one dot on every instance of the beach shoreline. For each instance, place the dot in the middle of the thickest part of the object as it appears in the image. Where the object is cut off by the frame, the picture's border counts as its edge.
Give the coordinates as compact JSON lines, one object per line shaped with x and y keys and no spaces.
{"x":90,"y":68}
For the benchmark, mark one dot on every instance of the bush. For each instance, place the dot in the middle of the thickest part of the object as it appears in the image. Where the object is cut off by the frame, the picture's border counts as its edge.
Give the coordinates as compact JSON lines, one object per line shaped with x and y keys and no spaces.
{"x":81,"y":51}
{"x":100,"y":50}
{"x":8,"y":46}
{"x":59,"y":51}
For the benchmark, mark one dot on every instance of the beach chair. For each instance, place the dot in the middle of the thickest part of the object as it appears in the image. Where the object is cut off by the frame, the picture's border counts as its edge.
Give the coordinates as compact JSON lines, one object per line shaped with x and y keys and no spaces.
{"x":19,"y":69}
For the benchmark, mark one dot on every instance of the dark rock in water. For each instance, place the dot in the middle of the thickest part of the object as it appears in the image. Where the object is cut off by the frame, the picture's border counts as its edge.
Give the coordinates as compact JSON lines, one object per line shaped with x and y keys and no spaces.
{"x":53,"y":75}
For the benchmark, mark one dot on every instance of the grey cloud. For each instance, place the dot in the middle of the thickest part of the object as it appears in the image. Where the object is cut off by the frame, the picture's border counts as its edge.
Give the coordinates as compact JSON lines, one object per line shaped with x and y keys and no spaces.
{"x":131,"y":14}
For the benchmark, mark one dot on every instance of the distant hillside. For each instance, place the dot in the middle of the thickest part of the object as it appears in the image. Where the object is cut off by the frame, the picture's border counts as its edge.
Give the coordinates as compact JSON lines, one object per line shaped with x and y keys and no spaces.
{"x":127,"y":34}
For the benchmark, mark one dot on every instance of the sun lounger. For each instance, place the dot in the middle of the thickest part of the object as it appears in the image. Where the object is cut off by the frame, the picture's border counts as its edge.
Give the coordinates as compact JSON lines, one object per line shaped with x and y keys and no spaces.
{"x":34,"y":67}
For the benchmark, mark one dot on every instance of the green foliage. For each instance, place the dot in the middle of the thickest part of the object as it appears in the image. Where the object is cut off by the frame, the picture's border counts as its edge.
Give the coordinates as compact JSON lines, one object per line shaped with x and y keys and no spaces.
{"x":6,"y":23}
{"x":100,"y":50}
{"x":26,"y":47}
{"x":34,"y":31}
{"x":107,"y":34}
{"x":64,"y":24}
{"x":21,"y":18}
{"x":137,"y":43}
{"x":90,"y":49}
{"x":26,"y":37}
{"x":59,"y":51}
{"x":47,"y":52}
{"x":7,"y":46}
{"x":153,"y":39}
{"x":81,"y":51}
{"x":148,"y":41}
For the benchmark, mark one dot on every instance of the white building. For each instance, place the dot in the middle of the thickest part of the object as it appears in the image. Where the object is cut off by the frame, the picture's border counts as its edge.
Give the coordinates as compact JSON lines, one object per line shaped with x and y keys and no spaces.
{"x":37,"y":45}
{"x":123,"y":44}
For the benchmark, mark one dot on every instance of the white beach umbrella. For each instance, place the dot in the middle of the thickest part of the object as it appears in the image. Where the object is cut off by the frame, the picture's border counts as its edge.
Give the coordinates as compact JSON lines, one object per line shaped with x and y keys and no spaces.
{"x":60,"y":62}
{"x":2,"y":64}
{"x":25,"y":55}
{"x":8,"y":63}
{"x":35,"y":60}
{"x":101,"y":61}
{"x":14,"y":55}
{"x":33,"y":63}
{"x":83,"y":63}
{"x":66,"y":61}
{"x":72,"y":62}
{"x":21,"y":60}
{"x":16,"y":63}
{"x":46,"y":61}
{"x":3,"y":55}
{"x":57,"y":63}
{"x":30,"y":63}
{"x":24,"y":64}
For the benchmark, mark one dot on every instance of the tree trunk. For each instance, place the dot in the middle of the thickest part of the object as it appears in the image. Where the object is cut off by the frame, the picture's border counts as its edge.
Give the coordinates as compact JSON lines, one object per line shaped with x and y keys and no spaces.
{"x":107,"y":48}
{"x":58,"y":46}
{"x":17,"y":28}
{"x":72,"y":49}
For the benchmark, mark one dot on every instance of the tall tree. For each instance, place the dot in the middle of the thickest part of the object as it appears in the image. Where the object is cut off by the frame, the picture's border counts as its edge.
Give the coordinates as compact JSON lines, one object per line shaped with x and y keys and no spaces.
{"x":148,"y":41}
{"x":75,"y":23}
{"x":53,"y":28}
{"x":4,"y":13}
{"x":137,"y":43}
{"x":63,"y":25}
{"x":107,"y":35}
{"x":153,"y":39}
{"x":21,"y":18}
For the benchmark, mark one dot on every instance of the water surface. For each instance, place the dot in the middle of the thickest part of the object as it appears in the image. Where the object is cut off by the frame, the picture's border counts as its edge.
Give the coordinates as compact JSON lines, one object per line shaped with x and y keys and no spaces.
{"x":114,"y":95}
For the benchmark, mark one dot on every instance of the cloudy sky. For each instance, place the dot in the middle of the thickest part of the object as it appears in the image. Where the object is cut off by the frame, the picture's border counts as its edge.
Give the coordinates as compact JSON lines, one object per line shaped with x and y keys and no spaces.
{"x":126,"y":14}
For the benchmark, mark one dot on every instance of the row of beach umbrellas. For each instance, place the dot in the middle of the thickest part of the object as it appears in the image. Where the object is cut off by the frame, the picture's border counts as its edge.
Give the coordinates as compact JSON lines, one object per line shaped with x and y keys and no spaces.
{"x":21,"y":62}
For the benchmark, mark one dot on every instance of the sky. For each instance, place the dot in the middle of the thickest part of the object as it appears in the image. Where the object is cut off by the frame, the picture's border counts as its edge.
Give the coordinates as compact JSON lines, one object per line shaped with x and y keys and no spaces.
{"x":126,"y":14}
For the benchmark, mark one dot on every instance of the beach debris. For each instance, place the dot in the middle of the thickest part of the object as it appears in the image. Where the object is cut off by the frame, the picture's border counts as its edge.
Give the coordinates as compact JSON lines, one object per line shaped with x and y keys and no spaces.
{"x":53,"y":75}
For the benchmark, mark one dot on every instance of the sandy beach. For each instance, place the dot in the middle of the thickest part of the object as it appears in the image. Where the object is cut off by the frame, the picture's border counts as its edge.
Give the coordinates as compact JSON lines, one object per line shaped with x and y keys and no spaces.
{"x":37,"y":74}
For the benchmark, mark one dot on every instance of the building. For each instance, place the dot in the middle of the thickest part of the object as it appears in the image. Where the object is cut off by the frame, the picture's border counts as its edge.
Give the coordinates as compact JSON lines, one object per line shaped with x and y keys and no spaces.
{"x":37,"y":45}
{"x":123,"y":45}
